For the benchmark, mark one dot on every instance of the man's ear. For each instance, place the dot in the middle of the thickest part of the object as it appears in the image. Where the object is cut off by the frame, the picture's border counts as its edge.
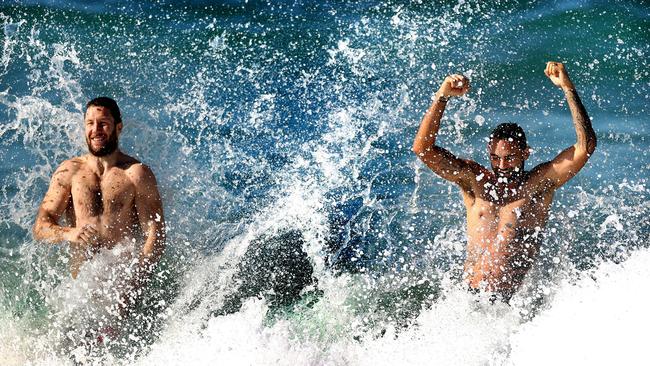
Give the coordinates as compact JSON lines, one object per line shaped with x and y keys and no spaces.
{"x":119,"y":128}
{"x":527,"y":152}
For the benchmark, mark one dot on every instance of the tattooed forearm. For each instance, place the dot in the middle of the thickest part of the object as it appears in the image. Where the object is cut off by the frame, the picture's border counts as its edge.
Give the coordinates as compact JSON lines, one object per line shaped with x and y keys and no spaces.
{"x":584,"y":131}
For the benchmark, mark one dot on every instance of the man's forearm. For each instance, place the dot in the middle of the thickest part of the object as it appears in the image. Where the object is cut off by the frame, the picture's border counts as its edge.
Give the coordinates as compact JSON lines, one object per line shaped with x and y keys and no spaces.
{"x":428,"y":131}
{"x":152,"y":250}
{"x":48,"y":231}
{"x":586,"y":137}
{"x":154,"y":245}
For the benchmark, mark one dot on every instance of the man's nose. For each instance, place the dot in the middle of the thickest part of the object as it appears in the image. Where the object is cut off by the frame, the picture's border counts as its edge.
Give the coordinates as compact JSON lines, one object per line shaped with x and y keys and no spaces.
{"x":502,"y":163}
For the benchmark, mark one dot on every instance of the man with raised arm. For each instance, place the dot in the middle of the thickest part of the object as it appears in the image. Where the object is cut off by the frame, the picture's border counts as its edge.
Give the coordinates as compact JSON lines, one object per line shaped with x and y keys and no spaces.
{"x":507,"y":207}
{"x":108,"y":201}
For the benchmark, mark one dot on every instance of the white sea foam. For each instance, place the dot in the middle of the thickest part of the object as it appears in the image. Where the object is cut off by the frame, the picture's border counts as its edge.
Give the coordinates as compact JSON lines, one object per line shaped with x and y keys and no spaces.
{"x":598,"y":320}
{"x":336,"y":330}
{"x":601,"y":320}
{"x":90,"y":301}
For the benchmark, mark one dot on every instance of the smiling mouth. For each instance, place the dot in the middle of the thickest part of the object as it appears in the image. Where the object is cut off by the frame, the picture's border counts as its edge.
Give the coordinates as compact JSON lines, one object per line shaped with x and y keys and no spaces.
{"x":98,"y":140}
{"x":504,"y":173}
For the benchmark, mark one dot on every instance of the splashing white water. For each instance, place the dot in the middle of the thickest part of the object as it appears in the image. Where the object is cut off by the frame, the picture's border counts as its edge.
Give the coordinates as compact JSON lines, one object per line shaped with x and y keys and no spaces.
{"x":366,"y":123}
{"x":598,"y":320}
{"x":601,"y":320}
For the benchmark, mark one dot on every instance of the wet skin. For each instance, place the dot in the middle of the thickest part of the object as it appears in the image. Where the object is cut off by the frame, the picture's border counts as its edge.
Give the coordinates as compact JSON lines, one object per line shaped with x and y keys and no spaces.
{"x":507,"y":207}
{"x":105,"y":200}
{"x":105,"y":203}
{"x":504,"y":222}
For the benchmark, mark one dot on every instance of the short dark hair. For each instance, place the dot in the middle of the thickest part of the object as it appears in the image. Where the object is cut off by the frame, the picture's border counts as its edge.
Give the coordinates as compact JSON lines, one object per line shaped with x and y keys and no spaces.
{"x":510,"y":132}
{"x":109,"y":103}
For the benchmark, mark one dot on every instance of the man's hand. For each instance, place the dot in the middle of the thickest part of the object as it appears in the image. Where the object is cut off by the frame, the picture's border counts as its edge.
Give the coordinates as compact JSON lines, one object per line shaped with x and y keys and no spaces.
{"x":85,"y":235}
{"x":558,"y":75}
{"x":454,"y":85}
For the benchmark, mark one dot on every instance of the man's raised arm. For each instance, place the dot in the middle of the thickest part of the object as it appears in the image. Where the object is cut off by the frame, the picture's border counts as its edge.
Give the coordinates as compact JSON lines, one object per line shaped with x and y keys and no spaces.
{"x":567,"y":164}
{"x":441,"y":161}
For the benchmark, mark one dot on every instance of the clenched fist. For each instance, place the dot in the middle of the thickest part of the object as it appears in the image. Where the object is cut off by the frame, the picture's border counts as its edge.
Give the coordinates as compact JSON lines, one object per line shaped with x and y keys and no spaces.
{"x":454,"y":85}
{"x":558,"y":75}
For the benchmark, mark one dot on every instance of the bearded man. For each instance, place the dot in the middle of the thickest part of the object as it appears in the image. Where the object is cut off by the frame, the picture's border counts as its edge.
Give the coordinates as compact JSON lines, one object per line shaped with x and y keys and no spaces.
{"x":105,"y":203}
{"x":507,"y":207}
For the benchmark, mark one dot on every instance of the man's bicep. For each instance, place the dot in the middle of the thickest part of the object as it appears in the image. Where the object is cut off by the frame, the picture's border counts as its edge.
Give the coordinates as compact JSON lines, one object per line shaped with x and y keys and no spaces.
{"x":148,"y":203}
{"x":564,"y":166}
{"x":150,"y":214}
{"x":58,"y":194}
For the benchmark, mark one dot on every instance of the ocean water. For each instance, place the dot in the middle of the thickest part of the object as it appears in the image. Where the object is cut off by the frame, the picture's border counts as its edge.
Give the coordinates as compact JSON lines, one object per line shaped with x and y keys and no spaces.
{"x":301,"y":228}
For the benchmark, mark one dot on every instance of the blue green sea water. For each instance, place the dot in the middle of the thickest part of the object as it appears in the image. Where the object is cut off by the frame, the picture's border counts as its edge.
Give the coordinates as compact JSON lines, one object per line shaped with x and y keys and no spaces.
{"x":302,"y":230}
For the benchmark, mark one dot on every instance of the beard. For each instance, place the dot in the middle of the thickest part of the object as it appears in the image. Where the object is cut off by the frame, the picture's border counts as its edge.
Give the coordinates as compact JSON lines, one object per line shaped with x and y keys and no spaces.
{"x":510,"y":175}
{"x":109,"y":147}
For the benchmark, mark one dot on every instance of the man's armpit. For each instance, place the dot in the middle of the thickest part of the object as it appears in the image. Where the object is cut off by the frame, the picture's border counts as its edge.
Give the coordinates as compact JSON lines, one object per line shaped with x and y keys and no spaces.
{"x":460,"y":173}
{"x":473,"y":175}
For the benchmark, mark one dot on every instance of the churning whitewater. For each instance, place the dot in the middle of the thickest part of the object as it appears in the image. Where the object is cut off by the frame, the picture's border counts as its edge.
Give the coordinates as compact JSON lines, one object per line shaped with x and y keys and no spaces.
{"x":301,"y":228}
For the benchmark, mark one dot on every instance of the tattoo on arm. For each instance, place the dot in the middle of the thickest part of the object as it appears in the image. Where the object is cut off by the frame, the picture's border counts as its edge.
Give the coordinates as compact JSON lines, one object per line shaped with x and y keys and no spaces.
{"x":584,"y":131}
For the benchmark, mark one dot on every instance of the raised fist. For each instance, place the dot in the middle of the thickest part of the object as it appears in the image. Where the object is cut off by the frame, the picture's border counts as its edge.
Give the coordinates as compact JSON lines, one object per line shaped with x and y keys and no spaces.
{"x":558,"y":75}
{"x":454,"y":85}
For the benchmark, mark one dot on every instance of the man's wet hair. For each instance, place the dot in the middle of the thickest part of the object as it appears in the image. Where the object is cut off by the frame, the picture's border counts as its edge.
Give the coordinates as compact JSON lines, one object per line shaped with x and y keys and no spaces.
{"x":510,"y":132}
{"x":109,"y":103}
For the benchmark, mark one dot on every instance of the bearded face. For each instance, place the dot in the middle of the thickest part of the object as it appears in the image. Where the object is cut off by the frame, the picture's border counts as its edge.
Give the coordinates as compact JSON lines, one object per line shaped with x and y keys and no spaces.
{"x":102,"y":147}
{"x":507,"y":159}
{"x":101,"y":131}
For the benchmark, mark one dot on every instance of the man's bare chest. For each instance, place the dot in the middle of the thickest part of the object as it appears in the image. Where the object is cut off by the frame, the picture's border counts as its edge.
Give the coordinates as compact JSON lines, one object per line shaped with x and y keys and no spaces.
{"x":517,"y":210}
{"x":93,"y":195}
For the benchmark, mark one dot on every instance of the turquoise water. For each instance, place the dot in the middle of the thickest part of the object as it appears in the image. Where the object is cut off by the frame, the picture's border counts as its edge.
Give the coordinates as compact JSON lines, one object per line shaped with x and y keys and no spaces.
{"x":285,"y":127}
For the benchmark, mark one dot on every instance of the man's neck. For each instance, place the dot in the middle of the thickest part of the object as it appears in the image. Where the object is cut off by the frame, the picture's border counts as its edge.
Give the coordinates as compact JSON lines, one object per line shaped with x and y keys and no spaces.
{"x":103,"y":163}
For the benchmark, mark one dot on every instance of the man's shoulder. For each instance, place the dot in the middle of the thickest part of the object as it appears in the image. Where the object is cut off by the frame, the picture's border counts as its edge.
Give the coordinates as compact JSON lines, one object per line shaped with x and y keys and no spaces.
{"x":132,"y":166}
{"x":478,"y":172}
{"x":536,"y":184}
{"x":475,"y":173}
{"x":139,"y":172}
{"x":70,"y":166}
{"x":475,"y":167}
{"x":66,"y":171}
{"x":127,"y":161}
{"x":537,"y":177}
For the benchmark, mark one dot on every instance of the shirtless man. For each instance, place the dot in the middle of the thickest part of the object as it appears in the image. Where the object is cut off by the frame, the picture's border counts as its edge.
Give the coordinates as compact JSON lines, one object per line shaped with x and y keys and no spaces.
{"x":507,"y":207}
{"x":107,"y":198}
